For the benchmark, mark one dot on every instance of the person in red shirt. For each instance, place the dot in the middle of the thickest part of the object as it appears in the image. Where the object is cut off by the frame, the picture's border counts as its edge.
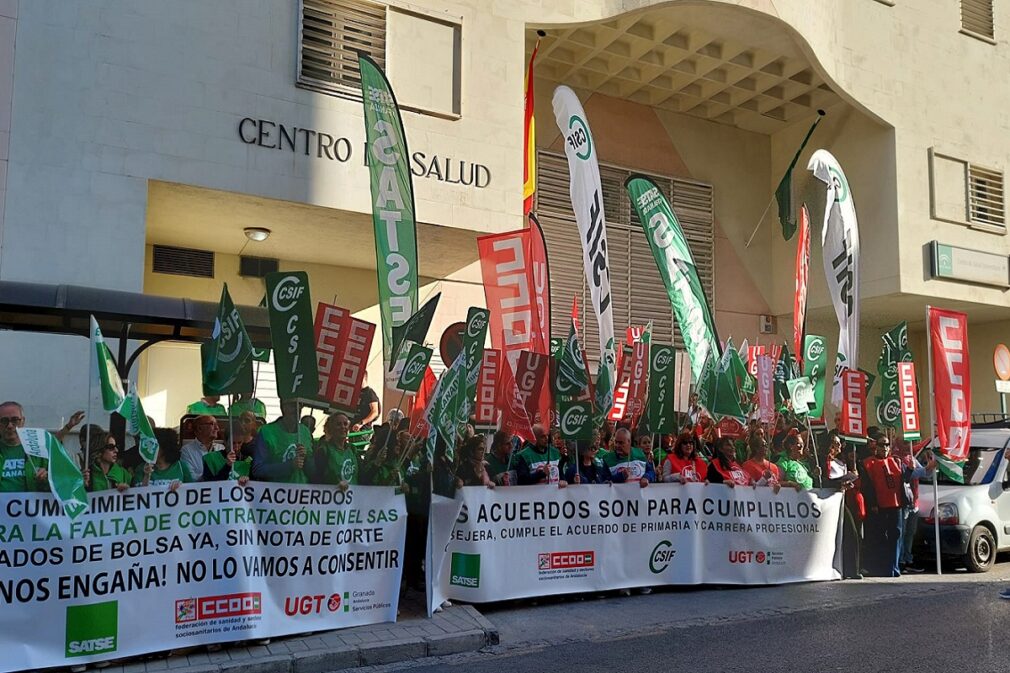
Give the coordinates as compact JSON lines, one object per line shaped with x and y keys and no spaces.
{"x":683,"y":465}
{"x":724,"y":469}
{"x":762,"y":471}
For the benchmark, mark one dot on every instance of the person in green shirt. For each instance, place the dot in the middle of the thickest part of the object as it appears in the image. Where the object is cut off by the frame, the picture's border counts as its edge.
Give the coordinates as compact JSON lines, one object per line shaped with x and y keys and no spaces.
{"x":793,"y":463}
{"x":246,"y":402}
{"x":282,"y":449}
{"x":19,"y":472}
{"x":501,"y":462}
{"x":336,"y":461}
{"x":537,"y":463}
{"x":208,"y":405}
{"x":629,"y":464}
{"x":168,"y":468}
{"x":229,"y":464}
{"x":105,"y":473}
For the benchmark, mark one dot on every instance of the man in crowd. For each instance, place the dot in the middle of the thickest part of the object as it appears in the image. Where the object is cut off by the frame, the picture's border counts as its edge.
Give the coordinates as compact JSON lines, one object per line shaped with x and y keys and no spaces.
{"x":281,"y":449}
{"x":368,"y":408}
{"x":246,"y":402}
{"x":501,"y":463}
{"x":20,"y":472}
{"x":309,"y":421}
{"x":205,"y":431}
{"x":629,"y":464}
{"x":537,"y":463}
{"x":336,"y":462}
{"x":209,"y":405}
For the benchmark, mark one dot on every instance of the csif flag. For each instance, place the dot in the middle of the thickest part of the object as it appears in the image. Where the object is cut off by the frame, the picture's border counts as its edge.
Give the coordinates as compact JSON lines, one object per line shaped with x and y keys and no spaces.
{"x":815,"y":362}
{"x":415,"y":328}
{"x":474,"y":335}
{"x":840,"y":244}
{"x":587,"y":201}
{"x":230,"y":348}
{"x":138,"y":424}
{"x":416,"y":366}
{"x":802,"y":278}
{"x":660,"y":416}
{"x":678,"y":270}
{"x":105,"y":369}
{"x":572,"y":379}
{"x":392,"y":190}
{"x":894,"y":351}
{"x":948,"y":343}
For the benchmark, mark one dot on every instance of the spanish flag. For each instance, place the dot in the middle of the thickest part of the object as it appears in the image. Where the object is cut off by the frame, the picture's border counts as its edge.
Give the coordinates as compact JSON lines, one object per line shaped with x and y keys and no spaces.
{"x":529,"y":140}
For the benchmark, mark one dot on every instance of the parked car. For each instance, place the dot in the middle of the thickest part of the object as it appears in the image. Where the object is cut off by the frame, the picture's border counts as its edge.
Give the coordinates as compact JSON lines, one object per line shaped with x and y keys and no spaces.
{"x":975,"y":515}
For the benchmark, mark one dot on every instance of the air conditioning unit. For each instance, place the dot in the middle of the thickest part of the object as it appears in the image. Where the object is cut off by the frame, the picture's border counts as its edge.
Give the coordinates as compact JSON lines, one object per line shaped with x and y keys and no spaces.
{"x":766,"y":324}
{"x":256,"y":267}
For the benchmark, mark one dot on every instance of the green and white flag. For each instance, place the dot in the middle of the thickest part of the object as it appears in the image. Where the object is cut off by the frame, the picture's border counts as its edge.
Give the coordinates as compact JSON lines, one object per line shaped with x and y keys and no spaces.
{"x":289,"y":308}
{"x":413,"y":370}
{"x":572,"y":379}
{"x":575,"y":418}
{"x":660,"y":416}
{"x":137,"y":424}
{"x":392,"y":191}
{"x":678,"y":270}
{"x":738,"y":369}
{"x":895,"y":350}
{"x":815,"y":363}
{"x":65,"y":479}
{"x":444,"y":415}
{"x":718,"y":391}
{"x":474,"y":336}
{"x":801,"y":392}
{"x":229,"y":349}
{"x":105,"y":367}
{"x":954,"y":470}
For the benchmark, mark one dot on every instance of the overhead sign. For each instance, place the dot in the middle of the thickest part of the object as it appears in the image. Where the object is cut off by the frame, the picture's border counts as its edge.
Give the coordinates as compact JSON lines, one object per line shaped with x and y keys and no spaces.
{"x":972,"y":266}
{"x":1001,"y":361}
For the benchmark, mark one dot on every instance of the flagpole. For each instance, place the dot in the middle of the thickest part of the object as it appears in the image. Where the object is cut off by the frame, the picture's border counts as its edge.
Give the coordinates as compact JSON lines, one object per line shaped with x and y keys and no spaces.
{"x":792,"y":165}
{"x":92,"y":361}
{"x":932,"y":428}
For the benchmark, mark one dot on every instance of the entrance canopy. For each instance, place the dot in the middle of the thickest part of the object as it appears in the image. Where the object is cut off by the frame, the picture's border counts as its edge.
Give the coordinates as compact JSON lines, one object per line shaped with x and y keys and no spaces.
{"x":65,"y":309}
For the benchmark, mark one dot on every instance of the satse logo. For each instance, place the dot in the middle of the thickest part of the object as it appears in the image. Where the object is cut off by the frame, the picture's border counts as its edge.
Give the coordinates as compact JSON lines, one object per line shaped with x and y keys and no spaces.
{"x":92,"y":629}
{"x":465,"y":570}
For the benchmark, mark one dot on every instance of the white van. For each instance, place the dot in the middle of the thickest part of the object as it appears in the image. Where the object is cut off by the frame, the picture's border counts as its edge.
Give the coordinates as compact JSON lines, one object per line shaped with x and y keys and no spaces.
{"x":974,"y":516}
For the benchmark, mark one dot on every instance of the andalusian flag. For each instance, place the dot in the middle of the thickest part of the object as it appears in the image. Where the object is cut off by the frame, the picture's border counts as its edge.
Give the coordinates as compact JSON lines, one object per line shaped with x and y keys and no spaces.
{"x":108,"y":375}
{"x":529,"y":139}
{"x":65,"y":479}
{"x":137,"y":424}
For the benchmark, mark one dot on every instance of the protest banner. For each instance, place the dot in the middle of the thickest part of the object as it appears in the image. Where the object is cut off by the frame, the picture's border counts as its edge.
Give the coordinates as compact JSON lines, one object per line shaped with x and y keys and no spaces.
{"x":487,"y":387}
{"x":530,"y":377}
{"x":343,"y":343}
{"x":520,"y":542}
{"x":854,"y":415}
{"x":908,"y":394}
{"x":951,"y":387}
{"x":152,"y":570}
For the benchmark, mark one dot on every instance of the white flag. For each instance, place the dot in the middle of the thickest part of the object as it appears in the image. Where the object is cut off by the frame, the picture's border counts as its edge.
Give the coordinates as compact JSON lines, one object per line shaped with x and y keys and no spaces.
{"x":103,"y":367}
{"x":587,"y":201}
{"x":840,"y":244}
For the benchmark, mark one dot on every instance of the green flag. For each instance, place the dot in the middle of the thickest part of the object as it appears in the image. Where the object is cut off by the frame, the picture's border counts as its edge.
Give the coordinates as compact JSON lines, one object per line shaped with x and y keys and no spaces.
{"x":290,"y":310}
{"x":895,"y":350}
{"x":474,"y":335}
{"x":719,"y":392}
{"x":138,"y":424}
{"x":737,"y":368}
{"x":954,"y":470}
{"x":785,"y":369}
{"x":575,"y":418}
{"x":261,"y":354}
{"x":677,"y":268}
{"x":784,"y":192}
{"x":392,"y":191}
{"x":660,"y":416}
{"x":105,"y":367}
{"x":815,"y":362}
{"x":65,"y":479}
{"x":801,"y":392}
{"x":230,"y":347}
{"x":413,"y":370}
{"x":604,"y":393}
{"x":572,"y":379}
{"x":242,"y":383}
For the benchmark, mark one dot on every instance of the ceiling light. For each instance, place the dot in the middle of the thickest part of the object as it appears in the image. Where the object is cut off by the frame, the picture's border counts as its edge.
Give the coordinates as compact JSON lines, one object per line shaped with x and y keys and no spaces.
{"x":257,"y":233}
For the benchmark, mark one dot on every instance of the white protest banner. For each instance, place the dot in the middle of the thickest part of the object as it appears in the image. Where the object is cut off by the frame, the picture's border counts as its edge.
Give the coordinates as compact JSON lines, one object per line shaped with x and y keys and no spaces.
{"x":150,"y":570}
{"x":532,"y":541}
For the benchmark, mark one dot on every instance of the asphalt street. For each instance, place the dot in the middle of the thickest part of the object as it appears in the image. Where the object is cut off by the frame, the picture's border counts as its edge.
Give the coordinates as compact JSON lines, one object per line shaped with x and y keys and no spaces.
{"x":926,"y":623}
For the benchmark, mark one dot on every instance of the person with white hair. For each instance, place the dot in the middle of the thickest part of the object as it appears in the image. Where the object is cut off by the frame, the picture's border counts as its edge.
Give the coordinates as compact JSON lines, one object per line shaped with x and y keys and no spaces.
{"x":629,"y":463}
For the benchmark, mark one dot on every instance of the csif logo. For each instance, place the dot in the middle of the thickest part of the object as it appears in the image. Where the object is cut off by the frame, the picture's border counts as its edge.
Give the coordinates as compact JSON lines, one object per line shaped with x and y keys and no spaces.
{"x":661,"y":556}
{"x":477,"y":323}
{"x":464,"y":570}
{"x":661,"y":359}
{"x":574,"y":419}
{"x":288,"y":290}
{"x":579,"y":137}
{"x":815,"y":348}
{"x":92,"y":629}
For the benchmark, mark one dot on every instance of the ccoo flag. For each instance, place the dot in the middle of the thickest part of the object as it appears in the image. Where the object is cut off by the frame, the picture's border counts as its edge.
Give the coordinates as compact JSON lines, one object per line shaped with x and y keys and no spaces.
{"x":948,"y":344}
{"x":392,"y":191}
{"x":840,"y":243}
{"x":105,"y":367}
{"x":587,"y":200}
{"x":677,"y":268}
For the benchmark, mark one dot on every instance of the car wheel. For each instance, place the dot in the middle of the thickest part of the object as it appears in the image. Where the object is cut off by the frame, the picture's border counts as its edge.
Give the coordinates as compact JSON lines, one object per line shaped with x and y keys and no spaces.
{"x":981,"y":550}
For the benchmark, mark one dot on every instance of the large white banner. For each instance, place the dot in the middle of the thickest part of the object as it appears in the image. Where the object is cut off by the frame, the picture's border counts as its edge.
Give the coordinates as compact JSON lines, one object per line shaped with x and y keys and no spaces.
{"x":534,"y":541}
{"x":840,"y":249}
{"x":587,"y":201}
{"x":151,"y":570}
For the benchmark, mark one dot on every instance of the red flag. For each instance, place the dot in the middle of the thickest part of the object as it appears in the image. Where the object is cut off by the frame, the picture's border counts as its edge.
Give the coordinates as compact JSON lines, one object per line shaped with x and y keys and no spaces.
{"x":802,"y":275}
{"x":948,"y":339}
{"x":529,"y":139}
{"x":853,"y":403}
{"x":621,"y":391}
{"x":418,"y":424}
{"x":765,"y":374}
{"x":509,"y":288}
{"x":638,"y":380}
{"x":539,"y":272}
{"x":909,"y":399}
{"x":531,"y":375}
{"x":488,"y":383}
{"x":514,"y":419}
{"x":342,"y":346}
{"x":752,"y":358}
{"x":575,"y":312}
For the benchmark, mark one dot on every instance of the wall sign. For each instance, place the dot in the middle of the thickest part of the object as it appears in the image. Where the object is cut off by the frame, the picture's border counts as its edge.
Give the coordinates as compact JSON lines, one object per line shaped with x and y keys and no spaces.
{"x":971,"y":266}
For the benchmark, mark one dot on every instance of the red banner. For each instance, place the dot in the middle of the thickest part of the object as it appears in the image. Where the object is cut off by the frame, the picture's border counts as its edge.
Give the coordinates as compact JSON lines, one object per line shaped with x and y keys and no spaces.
{"x":536,"y":253}
{"x":908,"y":397}
{"x":802,"y":275}
{"x":621,"y":391}
{"x":853,"y":404}
{"x":765,"y":386}
{"x":752,"y":358}
{"x":638,"y":380}
{"x":531,"y":376}
{"x":342,"y":346}
{"x":730,"y":427}
{"x":418,"y":424}
{"x":514,"y":419}
{"x":948,"y":339}
{"x":487,"y":387}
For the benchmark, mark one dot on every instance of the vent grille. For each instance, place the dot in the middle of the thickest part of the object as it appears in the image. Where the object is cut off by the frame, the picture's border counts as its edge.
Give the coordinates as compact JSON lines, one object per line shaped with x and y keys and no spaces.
{"x":183,"y":261}
{"x":985,"y":196}
{"x":257,"y":267}
{"x":332,"y":34}
{"x":977,"y":17}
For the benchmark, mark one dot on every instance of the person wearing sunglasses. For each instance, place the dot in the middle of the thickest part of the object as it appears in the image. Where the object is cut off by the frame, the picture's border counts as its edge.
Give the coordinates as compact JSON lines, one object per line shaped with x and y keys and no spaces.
{"x":105,"y":472}
{"x":19,"y":472}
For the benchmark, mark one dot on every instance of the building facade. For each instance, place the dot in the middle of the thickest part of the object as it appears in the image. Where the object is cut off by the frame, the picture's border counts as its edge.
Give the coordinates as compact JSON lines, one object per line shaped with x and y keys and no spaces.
{"x":139,"y":139}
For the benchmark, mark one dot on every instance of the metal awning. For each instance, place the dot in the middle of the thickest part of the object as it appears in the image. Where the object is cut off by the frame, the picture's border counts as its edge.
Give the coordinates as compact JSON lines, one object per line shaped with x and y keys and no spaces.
{"x":150,"y":319}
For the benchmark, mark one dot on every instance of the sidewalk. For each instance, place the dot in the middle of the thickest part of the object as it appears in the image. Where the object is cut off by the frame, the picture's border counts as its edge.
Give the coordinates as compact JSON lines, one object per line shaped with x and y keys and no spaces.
{"x":458,"y":629}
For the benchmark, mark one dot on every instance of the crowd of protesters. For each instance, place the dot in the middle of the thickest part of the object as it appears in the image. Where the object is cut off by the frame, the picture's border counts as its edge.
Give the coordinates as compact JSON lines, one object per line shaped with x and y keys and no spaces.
{"x":880,"y":477}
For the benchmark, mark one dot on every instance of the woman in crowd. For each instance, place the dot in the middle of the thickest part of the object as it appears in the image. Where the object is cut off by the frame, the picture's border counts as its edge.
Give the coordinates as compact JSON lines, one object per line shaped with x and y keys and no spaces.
{"x":335,"y":458}
{"x":471,"y":470}
{"x":232,"y":464}
{"x":683,"y":465}
{"x":793,"y":462}
{"x":724,"y":469}
{"x":762,"y":471}
{"x":105,"y":472}
{"x":168,"y":469}
{"x":382,"y":468}
{"x":562,"y":446}
{"x":589,"y":470}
